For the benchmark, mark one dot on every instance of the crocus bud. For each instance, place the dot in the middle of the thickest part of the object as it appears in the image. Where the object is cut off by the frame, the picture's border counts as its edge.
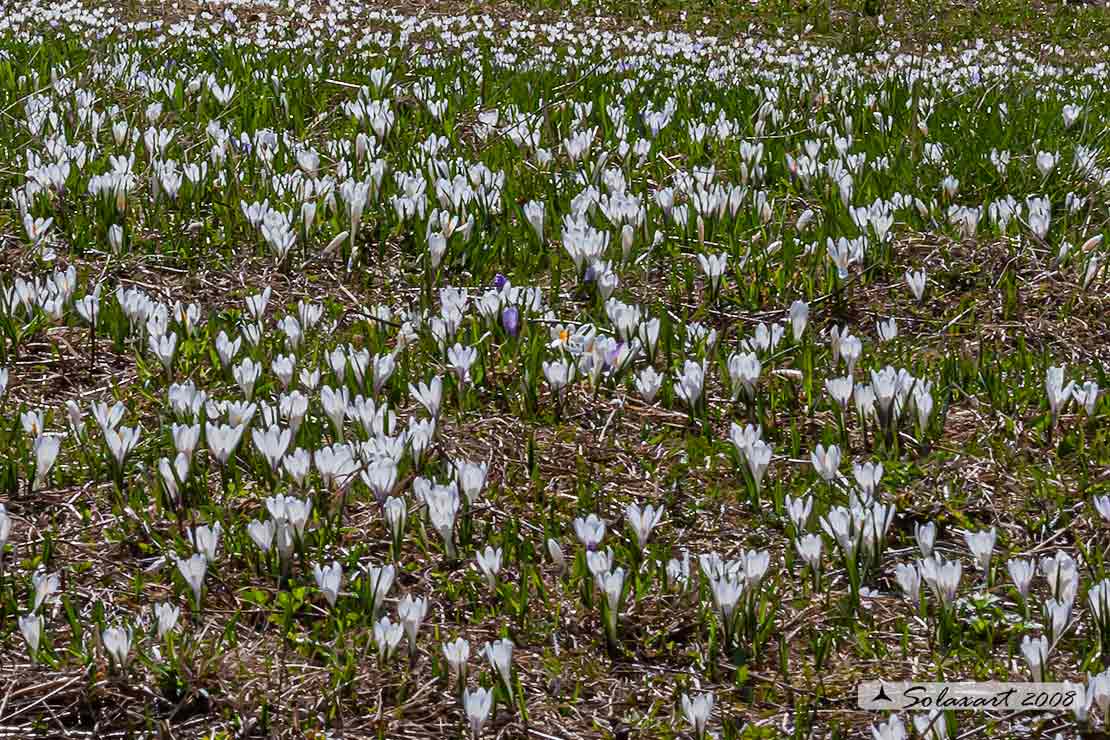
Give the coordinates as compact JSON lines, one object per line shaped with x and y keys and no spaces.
{"x":555,"y":550}
{"x":510,"y":320}
{"x":115,"y":238}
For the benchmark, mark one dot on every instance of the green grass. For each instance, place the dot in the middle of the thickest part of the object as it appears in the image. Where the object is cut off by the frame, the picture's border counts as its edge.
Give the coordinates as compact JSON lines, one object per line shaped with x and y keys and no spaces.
{"x":265,"y":652}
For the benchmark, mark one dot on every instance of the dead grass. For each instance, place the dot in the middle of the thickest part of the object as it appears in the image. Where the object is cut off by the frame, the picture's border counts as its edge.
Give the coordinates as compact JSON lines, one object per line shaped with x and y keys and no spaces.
{"x":618,"y":449}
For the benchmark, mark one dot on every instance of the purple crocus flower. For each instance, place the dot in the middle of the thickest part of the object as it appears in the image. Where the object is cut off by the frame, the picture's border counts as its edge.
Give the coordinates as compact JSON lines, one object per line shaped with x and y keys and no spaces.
{"x":499,"y":281}
{"x":510,"y":319}
{"x":614,"y":355}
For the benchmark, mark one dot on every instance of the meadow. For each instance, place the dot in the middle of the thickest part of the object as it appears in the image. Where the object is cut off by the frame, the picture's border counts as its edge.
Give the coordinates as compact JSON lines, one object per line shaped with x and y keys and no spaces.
{"x":529,"y":371}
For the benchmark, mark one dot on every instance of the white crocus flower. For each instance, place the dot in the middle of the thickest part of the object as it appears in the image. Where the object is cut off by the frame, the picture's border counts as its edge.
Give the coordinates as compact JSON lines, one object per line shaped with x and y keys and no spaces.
{"x":472,"y":479}
{"x":500,"y":656}
{"x":167,"y":616}
{"x":477,"y":705}
{"x":689,"y":387}
{"x":457,"y":653}
{"x":46,"y":450}
{"x":1035,"y":651}
{"x":643,"y":521}
{"x":925,"y":535}
{"x":429,"y":395}
{"x":799,"y":317}
{"x":590,"y":531}
{"x":44,"y":585}
{"x":222,"y":440}
{"x":1057,"y":392}
{"x":908,"y":577}
{"x":758,"y":456}
{"x":916,"y":283}
{"x":612,"y":585}
{"x":117,"y":643}
{"x":411,"y":612}
{"x":262,"y":533}
{"x":1086,"y":396}
{"x":193,"y":571}
{"x":206,"y":540}
{"x":697,"y":709}
{"x":743,"y":371}
{"x":329,"y":579}
{"x":489,"y":563}
{"x":826,"y":461}
{"x":461,"y":359}
{"x":387,"y":636}
{"x":981,"y":545}
{"x":443,"y":508}
{"x":943,"y":577}
{"x":714,"y":266}
{"x":31,"y":626}
{"x":648,"y":382}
